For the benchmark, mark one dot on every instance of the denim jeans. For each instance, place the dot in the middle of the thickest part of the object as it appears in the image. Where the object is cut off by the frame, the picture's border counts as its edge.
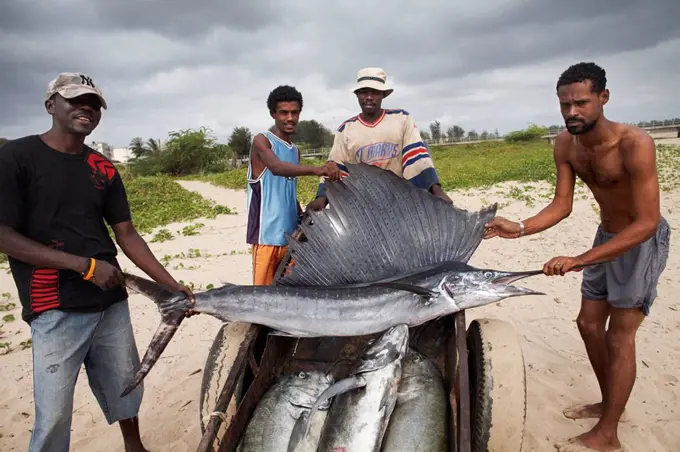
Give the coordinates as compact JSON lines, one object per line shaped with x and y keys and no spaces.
{"x":63,"y":341}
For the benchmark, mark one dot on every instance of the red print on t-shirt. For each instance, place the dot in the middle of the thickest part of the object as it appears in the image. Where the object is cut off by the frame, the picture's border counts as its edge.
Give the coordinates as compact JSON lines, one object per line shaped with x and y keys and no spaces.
{"x":102,"y":170}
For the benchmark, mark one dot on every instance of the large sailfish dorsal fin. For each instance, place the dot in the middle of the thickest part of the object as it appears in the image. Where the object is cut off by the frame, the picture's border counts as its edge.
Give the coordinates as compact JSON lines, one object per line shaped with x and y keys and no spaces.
{"x":379,"y":225}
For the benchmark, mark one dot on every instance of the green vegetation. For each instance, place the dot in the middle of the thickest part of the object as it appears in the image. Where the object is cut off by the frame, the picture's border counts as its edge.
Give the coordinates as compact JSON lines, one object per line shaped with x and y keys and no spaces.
{"x":159,"y":200}
{"x":668,"y":166}
{"x":236,"y":179}
{"x":185,"y":152}
{"x":533,"y":132}
{"x":484,"y":164}
{"x":480,"y":165}
{"x":459,"y":166}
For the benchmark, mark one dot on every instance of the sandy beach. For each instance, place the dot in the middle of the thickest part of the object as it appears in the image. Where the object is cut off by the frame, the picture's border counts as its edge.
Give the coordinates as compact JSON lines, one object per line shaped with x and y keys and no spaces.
{"x":558,"y":371}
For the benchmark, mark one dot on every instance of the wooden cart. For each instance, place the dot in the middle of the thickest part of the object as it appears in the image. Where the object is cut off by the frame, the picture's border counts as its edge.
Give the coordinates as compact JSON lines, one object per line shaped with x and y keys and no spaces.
{"x":482,"y":366}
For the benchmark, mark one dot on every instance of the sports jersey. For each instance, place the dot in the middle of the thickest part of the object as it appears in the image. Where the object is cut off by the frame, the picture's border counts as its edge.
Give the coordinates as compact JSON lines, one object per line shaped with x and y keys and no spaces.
{"x":393,"y":143}
{"x":61,"y":200}
{"x":272,"y":200}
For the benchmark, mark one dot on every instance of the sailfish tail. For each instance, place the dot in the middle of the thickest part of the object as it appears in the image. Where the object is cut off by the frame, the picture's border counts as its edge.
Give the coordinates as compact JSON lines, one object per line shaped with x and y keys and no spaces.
{"x":173,"y":308}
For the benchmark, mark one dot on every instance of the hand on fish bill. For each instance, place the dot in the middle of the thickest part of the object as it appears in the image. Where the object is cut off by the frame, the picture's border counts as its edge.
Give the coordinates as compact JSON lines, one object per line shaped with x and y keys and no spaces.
{"x":562,"y":264}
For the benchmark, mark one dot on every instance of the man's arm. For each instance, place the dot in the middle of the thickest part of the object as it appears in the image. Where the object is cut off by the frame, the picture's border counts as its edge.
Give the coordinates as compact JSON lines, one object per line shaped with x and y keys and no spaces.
{"x":558,"y":209}
{"x":263,"y":151}
{"x":136,"y":248}
{"x":337,"y":155}
{"x":26,"y":250}
{"x":639,"y":159}
{"x":117,"y":214}
{"x":417,"y":164}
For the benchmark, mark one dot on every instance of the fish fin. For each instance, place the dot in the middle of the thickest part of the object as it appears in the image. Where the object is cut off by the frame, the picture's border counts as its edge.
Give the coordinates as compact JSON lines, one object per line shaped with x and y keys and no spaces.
{"x":173,"y":308}
{"x":164,"y":333}
{"x":298,"y":431}
{"x":340,"y":387}
{"x":418,"y":290}
{"x":394,"y":225}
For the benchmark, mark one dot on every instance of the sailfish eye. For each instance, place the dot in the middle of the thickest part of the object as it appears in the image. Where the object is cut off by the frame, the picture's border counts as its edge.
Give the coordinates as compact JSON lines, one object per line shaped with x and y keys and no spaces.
{"x":488,"y":274}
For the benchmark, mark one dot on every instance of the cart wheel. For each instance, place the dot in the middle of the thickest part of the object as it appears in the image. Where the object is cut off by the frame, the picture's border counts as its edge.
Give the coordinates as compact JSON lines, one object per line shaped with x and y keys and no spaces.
{"x":217,"y":368}
{"x":497,"y":386}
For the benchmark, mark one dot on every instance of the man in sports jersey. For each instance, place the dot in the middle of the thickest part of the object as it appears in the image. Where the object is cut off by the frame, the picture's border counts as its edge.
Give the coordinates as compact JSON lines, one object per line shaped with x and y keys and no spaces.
{"x":56,"y":194}
{"x":273,"y":207}
{"x":386,"y":138}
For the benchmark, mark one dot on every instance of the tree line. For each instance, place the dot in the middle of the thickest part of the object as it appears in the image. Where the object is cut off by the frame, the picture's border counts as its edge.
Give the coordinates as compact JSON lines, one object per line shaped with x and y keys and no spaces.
{"x":198,"y":150}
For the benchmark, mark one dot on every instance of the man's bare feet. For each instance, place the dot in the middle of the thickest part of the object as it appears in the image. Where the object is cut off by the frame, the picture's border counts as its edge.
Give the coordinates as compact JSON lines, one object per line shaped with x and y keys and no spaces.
{"x":588,"y":411}
{"x":590,"y":442}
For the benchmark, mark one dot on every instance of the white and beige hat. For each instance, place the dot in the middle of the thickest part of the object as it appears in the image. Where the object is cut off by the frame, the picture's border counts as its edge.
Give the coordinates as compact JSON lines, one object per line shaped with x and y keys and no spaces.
{"x":374,"y":78}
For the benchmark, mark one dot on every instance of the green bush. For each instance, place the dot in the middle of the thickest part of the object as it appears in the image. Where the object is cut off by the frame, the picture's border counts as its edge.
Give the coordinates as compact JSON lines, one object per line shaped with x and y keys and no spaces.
{"x":533,"y":132}
{"x":185,"y":152}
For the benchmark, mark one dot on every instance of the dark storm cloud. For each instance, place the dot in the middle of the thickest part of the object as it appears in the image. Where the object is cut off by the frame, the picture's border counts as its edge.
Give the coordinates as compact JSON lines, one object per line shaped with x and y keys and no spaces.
{"x":179,"y":19}
{"x":162,"y":62}
{"x":446,"y":43}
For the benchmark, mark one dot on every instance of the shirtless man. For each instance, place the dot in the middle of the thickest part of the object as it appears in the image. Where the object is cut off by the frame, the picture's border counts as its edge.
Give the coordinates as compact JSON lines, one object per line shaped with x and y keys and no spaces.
{"x":618,"y":163}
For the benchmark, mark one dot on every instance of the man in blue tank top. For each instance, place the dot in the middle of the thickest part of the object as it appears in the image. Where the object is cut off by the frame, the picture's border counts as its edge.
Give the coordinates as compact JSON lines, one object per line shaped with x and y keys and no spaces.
{"x":273,"y":207}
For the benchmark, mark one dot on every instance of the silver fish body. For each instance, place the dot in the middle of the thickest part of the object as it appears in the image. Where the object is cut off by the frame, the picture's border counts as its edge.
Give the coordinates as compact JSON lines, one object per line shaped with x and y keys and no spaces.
{"x":357,"y":419}
{"x":353,"y":310}
{"x":280,"y":408}
{"x":384,"y":253}
{"x":327,"y":311}
{"x":418,"y":421}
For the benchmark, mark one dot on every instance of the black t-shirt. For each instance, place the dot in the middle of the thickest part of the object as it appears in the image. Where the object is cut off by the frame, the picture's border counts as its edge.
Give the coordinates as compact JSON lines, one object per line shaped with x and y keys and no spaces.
{"x":61,"y":201}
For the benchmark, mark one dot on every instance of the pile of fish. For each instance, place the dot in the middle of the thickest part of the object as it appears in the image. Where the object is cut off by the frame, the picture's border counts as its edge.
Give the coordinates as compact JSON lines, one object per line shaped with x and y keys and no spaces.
{"x":393,"y":400}
{"x":384,"y":253}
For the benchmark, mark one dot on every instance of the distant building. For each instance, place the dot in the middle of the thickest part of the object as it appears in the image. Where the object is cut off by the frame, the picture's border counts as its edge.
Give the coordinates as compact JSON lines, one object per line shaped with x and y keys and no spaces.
{"x":104,"y":148}
{"x":121,"y":155}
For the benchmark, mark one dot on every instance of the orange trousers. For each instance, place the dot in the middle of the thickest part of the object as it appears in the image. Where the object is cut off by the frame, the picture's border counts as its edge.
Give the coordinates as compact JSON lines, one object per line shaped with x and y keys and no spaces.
{"x":266,"y":259}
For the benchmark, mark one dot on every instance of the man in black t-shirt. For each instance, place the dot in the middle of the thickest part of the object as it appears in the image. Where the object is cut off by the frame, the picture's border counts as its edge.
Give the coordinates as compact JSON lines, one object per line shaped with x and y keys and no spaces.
{"x":56,"y":194}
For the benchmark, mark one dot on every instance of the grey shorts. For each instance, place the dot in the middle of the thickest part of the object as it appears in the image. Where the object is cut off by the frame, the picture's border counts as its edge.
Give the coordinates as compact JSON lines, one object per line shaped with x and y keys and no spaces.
{"x":630,"y":280}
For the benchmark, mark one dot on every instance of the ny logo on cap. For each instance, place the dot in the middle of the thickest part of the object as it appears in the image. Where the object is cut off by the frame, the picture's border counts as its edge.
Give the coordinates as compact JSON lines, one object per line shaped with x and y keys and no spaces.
{"x":85,"y":80}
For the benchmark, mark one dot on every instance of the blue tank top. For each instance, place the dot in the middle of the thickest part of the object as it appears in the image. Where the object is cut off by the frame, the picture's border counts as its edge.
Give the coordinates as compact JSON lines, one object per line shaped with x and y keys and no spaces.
{"x":272,"y":200}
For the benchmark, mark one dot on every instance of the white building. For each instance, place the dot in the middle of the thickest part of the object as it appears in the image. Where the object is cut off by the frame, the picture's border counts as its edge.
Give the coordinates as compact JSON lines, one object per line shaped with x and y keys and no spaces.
{"x":103,"y":148}
{"x":121,"y":155}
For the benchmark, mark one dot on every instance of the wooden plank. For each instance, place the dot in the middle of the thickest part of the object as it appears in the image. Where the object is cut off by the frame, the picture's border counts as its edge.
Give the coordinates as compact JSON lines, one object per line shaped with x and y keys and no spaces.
{"x":463,"y":393}
{"x":451,"y":373}
{"x":275,"y":350}
{"x":237,"y":369}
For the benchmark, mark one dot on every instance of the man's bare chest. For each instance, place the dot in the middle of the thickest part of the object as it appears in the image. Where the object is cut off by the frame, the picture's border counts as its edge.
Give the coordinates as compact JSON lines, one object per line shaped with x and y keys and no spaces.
{"x":602,"y":169}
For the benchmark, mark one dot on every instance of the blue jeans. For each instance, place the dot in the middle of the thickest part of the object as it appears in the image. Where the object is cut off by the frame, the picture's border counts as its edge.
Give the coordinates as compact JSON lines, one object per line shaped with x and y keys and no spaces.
{"x":63,"y":341}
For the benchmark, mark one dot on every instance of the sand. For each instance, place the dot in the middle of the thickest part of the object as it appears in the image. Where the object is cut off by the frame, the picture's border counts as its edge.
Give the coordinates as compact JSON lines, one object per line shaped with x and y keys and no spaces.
{"x":558,"y":372}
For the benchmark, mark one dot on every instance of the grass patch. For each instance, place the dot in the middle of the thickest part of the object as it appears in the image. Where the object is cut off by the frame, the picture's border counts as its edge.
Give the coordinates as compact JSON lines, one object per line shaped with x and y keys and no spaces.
{"x":159,"y":200}
{"x":458,"y":166}
{"x":668,"y":167}
{"x":236,"y":179}
{"x":484,"y":164}
{"x":480,"y":165}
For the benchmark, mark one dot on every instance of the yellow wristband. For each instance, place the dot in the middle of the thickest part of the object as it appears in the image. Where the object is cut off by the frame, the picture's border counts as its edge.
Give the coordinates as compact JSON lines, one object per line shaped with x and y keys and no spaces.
{"x":90,"y":271}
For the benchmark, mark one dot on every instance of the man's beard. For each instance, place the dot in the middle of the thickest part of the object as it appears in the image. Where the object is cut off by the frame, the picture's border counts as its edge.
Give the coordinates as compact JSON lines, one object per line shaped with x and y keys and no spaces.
{"x":580,"y":127}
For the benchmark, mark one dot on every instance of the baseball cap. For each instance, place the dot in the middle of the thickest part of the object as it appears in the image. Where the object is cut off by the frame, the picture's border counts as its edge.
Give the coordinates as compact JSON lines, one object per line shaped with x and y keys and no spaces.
{"x":74,"y":84}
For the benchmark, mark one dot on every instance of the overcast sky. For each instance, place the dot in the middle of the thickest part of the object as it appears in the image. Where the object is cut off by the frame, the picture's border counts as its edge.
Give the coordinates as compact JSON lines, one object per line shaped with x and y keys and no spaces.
{"x":169,"y":65}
